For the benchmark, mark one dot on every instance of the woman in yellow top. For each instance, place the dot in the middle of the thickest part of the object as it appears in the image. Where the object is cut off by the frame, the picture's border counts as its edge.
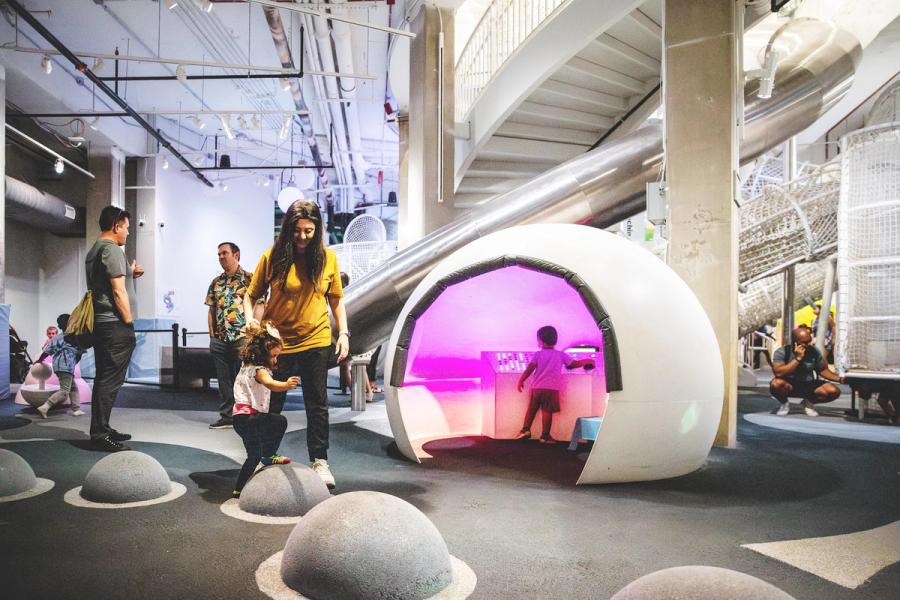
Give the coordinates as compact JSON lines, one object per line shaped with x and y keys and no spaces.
{"x":303,"y":280}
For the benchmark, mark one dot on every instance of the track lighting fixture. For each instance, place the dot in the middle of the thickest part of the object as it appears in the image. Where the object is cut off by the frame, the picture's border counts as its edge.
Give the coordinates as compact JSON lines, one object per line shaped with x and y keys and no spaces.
{"x":206,"y":5}
{"x":286,"y":84}
{"x":93,"y":123}
{"x":285,"y":127}
{"x":165,"y":163}
{"x":198,"y":122}
{"x":59,"y":166}
{"x":98,"y":66}
{"x":256,"y":122}
{"x":242,"y":122}
{"x":47,"y":64}
{"x":226,"y":125}
{"x":267,"y":181}
{"x":171,"y":4}
{"x":180,"y":73}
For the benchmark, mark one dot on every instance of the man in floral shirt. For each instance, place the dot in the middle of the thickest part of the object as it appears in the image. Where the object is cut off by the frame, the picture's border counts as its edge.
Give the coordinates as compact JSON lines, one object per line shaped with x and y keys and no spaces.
{"x":226,"y":318}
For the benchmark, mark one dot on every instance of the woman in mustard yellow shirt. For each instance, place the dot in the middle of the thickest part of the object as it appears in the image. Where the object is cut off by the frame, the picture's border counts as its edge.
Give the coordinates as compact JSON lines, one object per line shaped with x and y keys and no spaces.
{"x":303,"y":281}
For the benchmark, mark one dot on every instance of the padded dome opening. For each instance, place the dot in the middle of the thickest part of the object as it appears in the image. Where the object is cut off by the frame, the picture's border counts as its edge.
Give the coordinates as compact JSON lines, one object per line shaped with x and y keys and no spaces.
{"x":466,"y":343}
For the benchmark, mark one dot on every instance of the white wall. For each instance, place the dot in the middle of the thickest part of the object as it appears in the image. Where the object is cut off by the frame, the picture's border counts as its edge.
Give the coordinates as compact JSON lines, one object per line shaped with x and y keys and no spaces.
{"x":196,"y":219}
{"x":44,"y":277}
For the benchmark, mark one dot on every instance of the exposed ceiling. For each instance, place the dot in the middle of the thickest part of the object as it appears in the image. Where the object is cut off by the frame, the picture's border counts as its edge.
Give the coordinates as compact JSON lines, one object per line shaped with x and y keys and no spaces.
{"x":235,"y":32}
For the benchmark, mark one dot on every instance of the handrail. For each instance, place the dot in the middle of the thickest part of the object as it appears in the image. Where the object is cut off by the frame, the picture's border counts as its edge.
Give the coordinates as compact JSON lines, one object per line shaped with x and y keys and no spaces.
{"x":503,"y":28}
{"x":853,"y":111}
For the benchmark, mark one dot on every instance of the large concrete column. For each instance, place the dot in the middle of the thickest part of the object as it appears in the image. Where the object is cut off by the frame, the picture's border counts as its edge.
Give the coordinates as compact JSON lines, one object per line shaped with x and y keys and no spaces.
{"x":701,"y":88}
{"x":3,"y":188}
{"x":429,"y":198}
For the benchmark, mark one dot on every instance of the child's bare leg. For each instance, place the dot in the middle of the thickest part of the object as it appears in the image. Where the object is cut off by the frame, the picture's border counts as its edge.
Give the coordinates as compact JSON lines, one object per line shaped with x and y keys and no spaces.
{"x":529,"y":416}
{"x":547,"y":421}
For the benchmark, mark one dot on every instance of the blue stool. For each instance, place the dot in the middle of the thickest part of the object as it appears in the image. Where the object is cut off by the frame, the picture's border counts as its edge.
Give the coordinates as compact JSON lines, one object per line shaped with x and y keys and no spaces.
{"x":586,"y":428}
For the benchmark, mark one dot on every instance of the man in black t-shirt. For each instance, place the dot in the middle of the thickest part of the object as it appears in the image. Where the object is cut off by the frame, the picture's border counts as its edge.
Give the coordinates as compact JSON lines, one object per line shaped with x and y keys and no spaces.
{"x":796,"y":366}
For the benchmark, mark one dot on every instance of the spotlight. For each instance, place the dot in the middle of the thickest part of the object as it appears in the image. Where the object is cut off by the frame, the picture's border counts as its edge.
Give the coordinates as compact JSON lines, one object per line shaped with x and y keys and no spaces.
{"x":226,"y":125}
{"x":198,"y":122}
{"x":171,"y":4}
{"x":93,"y":123}
{"x":165,"y":163}
{"x":267,"y":181}
{"x":286,"y":84}
{"x":285,"y":127}
{"x":180,"y":74}
{"x":59,"y":166}
{"x":224,"y":186}
{"x":98,"y":65}
{"x":206,"y":5}
{"x":255,"y":121}
{"x":47,"y":64}
{"x":242,"y":122}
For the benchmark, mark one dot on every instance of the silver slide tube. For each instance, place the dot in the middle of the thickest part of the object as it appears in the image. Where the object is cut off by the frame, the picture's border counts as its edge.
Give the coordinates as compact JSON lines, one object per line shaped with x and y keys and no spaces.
{"x":607,"y":185}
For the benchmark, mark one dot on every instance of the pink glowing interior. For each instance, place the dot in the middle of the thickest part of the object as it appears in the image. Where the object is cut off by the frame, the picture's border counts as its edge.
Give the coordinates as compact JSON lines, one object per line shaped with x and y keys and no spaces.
{"x":499,"y":310}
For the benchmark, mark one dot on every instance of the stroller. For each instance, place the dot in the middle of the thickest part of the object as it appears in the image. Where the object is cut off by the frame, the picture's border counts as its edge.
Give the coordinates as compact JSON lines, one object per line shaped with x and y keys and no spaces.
{"x":19,"y":359}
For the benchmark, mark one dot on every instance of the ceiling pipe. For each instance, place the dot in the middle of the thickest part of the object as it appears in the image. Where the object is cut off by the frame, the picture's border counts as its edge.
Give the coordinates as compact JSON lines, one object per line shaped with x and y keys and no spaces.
{"x":29,"y":205}
{"x":276,"y":28}
{"x":343,"y":47}
{"x":86,"y":71}
{"x":325,"y":56}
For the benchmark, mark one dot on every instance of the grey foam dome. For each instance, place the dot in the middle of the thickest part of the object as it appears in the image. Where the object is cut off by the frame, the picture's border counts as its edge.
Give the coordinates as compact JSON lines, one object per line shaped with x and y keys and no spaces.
{"x":700,"y":583}
{"x":283,"y":491}
{"x":126,"y":477}
{"x":364,"y":545}
{"x":41,"y":371}
{"x":16,"y":475}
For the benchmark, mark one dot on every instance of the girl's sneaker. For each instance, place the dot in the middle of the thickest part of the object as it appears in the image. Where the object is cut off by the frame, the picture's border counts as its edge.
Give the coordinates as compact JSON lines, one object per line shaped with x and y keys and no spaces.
{"x":275,"y":460}
{"x":77,"y":412}
{"x":522,"y":435}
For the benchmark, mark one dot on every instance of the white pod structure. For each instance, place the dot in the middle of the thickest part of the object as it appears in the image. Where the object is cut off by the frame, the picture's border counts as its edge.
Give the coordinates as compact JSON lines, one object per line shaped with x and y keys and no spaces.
{"x":658,"y":357}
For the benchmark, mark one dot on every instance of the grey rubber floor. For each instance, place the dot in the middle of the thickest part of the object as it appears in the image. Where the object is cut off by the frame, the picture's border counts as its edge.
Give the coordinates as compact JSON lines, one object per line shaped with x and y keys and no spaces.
{"x":510,"y":510}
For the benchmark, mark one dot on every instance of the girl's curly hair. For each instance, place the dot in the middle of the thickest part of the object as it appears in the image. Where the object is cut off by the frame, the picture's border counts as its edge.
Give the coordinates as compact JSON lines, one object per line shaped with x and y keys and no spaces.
{"x":259,"y":343}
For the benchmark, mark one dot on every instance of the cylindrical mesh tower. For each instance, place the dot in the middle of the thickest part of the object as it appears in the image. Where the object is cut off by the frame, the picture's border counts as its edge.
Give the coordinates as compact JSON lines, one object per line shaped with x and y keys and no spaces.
{"x":869,"y":253}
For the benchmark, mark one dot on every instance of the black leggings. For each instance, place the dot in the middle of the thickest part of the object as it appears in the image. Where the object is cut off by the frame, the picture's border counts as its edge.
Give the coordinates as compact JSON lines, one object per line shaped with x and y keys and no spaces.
{"x":312,"y":368}
{"x":262,"y":435}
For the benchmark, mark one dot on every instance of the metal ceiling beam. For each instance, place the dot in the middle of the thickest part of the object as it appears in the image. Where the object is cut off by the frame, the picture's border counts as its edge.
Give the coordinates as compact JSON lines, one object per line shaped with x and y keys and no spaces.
{"x":327,"y":15}
{"x":203,"y":77}
{"x":109,"y":113}
{"x":184,"y":61}
{"x":49,"y":151}
{"x":86,"y":71}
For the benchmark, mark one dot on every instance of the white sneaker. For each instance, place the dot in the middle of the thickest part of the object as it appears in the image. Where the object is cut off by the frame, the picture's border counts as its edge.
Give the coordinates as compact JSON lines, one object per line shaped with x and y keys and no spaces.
{"x":784,"y":409}
{"x":77,"y":412}
{"x":320,"y":466}
{"x":43,"y":409}
{"x":808,"y":409}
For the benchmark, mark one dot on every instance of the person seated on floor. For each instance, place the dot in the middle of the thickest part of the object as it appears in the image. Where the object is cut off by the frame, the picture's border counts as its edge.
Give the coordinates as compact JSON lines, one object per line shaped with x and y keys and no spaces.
{"x":888,"y":395}
{"x":795,"y":366}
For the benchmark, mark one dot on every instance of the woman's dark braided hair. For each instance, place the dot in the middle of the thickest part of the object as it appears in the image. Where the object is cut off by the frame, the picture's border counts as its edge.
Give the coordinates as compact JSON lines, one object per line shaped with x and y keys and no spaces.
{"x":283,"y":250}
